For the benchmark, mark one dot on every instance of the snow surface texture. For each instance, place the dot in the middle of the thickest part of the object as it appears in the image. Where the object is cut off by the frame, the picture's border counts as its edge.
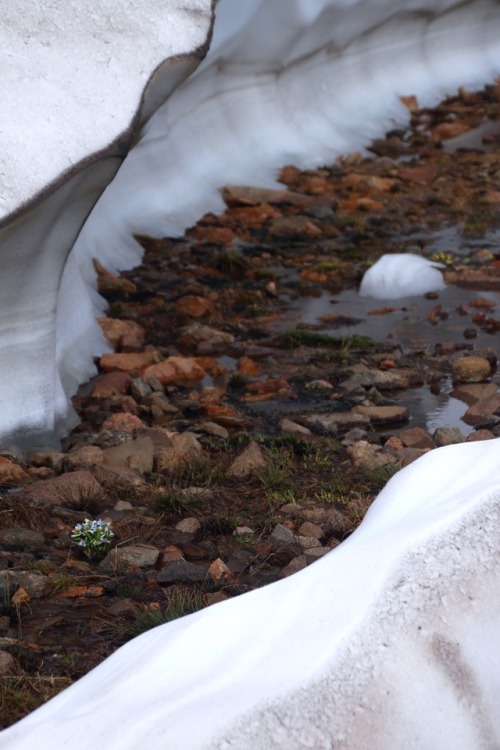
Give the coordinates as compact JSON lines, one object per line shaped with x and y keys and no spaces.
{"x":401,"y":275}
{"x":77,"y":81}
{"x":391,"y":641}
{"x":285,"y":81}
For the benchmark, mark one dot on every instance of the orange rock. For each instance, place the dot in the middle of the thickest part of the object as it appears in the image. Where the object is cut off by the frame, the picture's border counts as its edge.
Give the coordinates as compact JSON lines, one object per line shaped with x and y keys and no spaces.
{"x":108,"y":282}
{"x":123,"y":335}
{"x":446,"y":130}
{"x":175,"y":368}
{"x":316,"y":277}
{"x":249,"y":367}
{"x":74,"y":592}
{"x":387,"y":364}
{"x":214,"y":410}
{"x":272,"y":385}
{"x":123,"y":421}
{"x":420,"y":175}
{"x":210,"y":365}
{"x":254,"y":215}
{"x":411,"y":103}
{"x":11,"y":473}
{"x":214,"y":235}
{"x":112,"y":384}
{"x":219,"y":571}
{"x":195,"y":307}
{"x":127,"y":361}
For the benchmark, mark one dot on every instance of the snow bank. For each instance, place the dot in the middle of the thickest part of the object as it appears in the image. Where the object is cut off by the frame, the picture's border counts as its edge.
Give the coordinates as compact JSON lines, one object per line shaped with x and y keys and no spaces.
{"x":401,"y":275}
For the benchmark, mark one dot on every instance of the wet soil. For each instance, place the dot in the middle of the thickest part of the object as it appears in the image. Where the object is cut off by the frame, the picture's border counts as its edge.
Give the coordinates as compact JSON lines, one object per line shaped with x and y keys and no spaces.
{"x":283,"y":364}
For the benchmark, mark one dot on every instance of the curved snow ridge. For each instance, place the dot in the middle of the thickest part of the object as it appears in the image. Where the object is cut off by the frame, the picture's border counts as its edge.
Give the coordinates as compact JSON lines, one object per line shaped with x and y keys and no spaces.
{"x":389,"y":641}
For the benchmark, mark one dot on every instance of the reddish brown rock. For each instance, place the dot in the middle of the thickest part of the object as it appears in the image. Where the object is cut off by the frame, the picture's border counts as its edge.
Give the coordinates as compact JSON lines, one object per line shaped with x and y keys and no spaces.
{"x":249,"y":367}
{"x":416,"y":437}
{"x":383,"y":414}
{"x":250,"y":460}
{"x":112,"y":384}
{"x":71,"y":490}
{"x":12,"y":473}
{"x":175,"y":369}
{"x":127,"y":361}
{"x":123,"y":421}
{"x":219,"y":571}
{"x":123,"y":335}
{"x":194,"y":307}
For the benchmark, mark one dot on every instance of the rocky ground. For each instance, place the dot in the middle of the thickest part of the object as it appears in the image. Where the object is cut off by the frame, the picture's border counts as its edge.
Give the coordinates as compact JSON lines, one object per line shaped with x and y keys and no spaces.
{"x":227,"y":443}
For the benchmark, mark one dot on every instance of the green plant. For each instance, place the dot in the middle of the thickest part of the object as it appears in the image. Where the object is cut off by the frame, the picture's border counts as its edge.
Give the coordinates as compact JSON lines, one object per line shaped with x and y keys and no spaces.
{"x":94,"y":537}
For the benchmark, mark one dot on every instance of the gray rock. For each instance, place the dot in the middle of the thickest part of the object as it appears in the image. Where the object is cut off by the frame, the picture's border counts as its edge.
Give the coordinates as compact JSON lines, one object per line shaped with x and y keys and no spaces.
{"x":182,"y":571}
{"x":140,"y":389}
{"x":312,"y":530}
{"x":287,"y":427}
{"x":314,"y":553}
{"x":298,"y":563}
{"x":135,"y":454}
{"x":250,"y":460}
{"x":18,"y":537}
{"x":34,"y":583}
{"x":188,"y":526}
{"x":121,"y":559}
{"x":282,"y":535}
{"x":387,"y":380}
{"x":447,"y":436}
{"x":8,"y":664}
{"x":332,"y":423}
{"x":185,"y":451}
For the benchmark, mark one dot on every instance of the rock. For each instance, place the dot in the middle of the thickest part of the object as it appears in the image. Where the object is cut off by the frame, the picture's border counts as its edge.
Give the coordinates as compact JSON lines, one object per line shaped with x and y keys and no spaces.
{"x":72,"y":490}
{"x":447,"y":436}
{"x":479,"y":435}
{"x":50,"y":459}
{"x":470,"y":370}
{"x":211,"y":428}
{"x":416,"y":437}
{"x":196,"y":494}
{"x":112,"y":384}
{"x":185,"y":451}
{"x":481,"y":410}
{"x":140,"y":389}
{"x":12,"y":473}
{"x":307,"y":542}
{"x":333,"y":423}
{"x":83,"y":457}
{"x":473,"y":392}
{"x":135,"y":454}
{"x":298,"y":563}
{"x":248,"y":367}
{"x":287,"y":427}
{"x":386,"y":380}
{"x":219,"y":571}
{"x":124,"y":422}
{"x":123,"y":335}
{"x":34,"y":584}
{"x":383,"y":414}
{"x":9,"y":665}
{"x":312,"y":530}
{"x":182,"y":369}
{"x":193,"y":306}
{"x":127,"y":361}
{"x":314,"y":553}
{"x":117,"y":478}
{"x":188,"y":526}
{"x":19,"y":537}
{"x":368,"y":457}
{"x":250,"y":460}
{"x":282,"y":535}
{"x":123,"y":558}
{"x":182,"y":571}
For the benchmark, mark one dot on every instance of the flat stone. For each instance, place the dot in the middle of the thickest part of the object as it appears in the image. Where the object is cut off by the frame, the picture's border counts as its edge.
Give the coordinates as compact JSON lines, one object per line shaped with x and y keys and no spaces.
{"x":479,"y":435}
{"x":383,"y":414}
{"x":386,"y":380}
{"x":112,"y":384}
{"x":135,"y":454}
{"x":287,"y":427}
{"x":127,"y":361}
{"x":312,"y":530}
{"x":471,"y":393}
{"x":123,"y":335}
{"x":282,"y":535}
{"x":197,"y":333}
{"x":470,"y":370}
{"x":416,"y":437}
{"x":123,"y":558}
{"x":333,"y":423}
{"x":214,"y":429}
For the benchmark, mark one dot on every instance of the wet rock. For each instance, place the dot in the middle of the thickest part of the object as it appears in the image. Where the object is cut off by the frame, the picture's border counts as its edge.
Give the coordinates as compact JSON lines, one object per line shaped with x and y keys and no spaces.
{"x":123,"y":558}
{"x":447,"y":436}
{"x":334,"y":423}
{"x":383,"y":414}
{"x":479,"y":435}
{"x":470,"y":370}
{"x":416,"y":437}
{"x":250,"y":460}
{"x":479,"y":412}
{"x":474,"y":392}
{"x":386,"y":380}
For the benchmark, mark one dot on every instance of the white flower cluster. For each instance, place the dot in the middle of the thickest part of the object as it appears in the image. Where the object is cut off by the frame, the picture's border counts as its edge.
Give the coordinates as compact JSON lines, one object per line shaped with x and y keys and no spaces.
{"x":94,"y":536}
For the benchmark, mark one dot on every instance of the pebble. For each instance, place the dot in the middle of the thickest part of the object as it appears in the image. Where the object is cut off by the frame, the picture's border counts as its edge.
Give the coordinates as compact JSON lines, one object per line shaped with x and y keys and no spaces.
{"x":447,"y":436}
{"x":125,"y":557}
{"x":188,"y":526}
